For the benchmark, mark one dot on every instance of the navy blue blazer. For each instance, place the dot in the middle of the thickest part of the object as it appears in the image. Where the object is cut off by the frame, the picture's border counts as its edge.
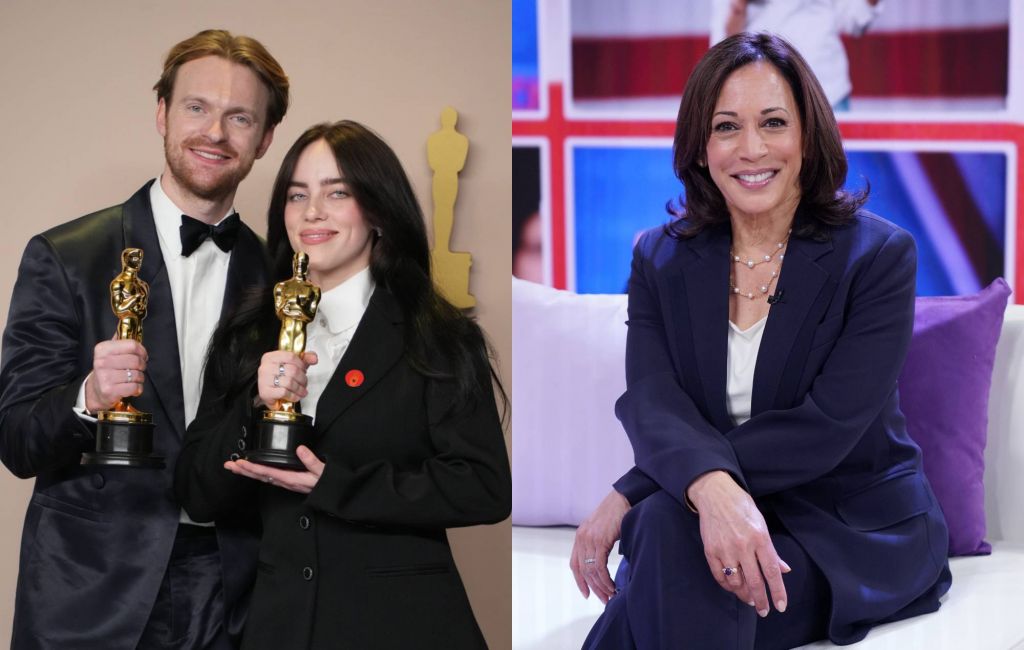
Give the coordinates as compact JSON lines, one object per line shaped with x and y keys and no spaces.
{"x":826,"y":448}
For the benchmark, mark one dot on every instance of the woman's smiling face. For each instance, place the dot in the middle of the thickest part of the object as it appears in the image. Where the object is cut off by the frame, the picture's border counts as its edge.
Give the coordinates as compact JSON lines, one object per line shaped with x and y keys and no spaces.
{"x":324,"y":220}
{"x":754,"y":153}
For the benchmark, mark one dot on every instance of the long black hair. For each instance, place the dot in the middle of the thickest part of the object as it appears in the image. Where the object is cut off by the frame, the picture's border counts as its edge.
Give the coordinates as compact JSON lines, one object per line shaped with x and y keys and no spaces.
{"x":823,"y":202}
{"x":441,"y":341}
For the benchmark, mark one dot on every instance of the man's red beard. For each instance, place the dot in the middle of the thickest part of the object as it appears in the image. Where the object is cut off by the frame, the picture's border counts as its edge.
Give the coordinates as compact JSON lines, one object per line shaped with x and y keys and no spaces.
{"x":211,"y":186}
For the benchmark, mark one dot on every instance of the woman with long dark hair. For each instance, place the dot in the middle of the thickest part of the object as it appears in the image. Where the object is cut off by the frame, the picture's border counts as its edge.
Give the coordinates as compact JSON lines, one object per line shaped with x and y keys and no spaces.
{"x":407,"y":437}
{"x":777,"y":498}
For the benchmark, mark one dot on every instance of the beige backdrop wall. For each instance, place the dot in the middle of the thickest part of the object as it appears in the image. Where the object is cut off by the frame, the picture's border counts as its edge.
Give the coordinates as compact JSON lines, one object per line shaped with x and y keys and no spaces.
{"x":77,"y":134}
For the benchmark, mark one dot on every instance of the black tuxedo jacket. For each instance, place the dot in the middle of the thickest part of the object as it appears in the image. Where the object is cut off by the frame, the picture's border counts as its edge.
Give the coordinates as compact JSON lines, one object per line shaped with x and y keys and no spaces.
{"x":96,"y":541}
{"x":363,"y":560}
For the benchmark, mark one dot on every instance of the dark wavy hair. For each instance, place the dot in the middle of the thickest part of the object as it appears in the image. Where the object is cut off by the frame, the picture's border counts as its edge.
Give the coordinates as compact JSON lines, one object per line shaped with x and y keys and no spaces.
{"x":823,"y":202}
{"x":441,"y":341}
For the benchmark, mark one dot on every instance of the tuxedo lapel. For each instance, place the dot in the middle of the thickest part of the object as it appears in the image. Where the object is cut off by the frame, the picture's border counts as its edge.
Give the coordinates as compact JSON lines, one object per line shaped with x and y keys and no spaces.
{"x":160,"y":335}
{"x":706,"y":279}
{"x":800,"y":284}
{"x":376,"y":346}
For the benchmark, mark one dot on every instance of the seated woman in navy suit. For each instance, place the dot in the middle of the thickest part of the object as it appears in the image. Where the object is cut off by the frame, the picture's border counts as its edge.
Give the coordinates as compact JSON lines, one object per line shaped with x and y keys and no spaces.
{"x":776,"y":498}
{"x":407,"y":438}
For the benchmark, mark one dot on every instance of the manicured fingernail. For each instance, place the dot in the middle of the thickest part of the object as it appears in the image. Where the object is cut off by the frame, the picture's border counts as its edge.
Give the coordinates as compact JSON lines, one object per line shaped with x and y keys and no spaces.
{"x":750,"y":602}
{"x":780,"y":605}
{"x":762,"y":612}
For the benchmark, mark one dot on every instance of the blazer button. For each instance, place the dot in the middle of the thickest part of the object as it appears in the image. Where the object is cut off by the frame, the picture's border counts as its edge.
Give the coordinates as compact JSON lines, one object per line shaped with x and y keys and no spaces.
{"x":234,"y":457}
{"x":304,"y":522}
{"x":98,"y":481}
{"x":241,"y":444}
{"x":307,"y":573}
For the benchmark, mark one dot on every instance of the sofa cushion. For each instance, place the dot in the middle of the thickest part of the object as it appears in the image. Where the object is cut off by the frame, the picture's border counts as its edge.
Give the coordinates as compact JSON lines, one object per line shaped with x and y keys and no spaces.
{"x":568,"y":360}
{"x":944,"y":390}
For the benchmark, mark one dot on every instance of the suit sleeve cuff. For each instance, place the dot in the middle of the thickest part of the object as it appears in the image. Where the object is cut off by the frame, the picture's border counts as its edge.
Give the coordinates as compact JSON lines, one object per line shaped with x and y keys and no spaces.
{"x":635,"y":486}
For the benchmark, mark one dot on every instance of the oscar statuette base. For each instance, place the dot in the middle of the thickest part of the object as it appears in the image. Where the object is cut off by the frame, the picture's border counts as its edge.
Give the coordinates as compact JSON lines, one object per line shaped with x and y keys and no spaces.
{"x":278,"y":436}
{"x":124,"y":439}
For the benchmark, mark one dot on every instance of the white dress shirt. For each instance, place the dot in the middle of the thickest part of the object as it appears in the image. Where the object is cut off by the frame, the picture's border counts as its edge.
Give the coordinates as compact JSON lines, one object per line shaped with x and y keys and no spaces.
{"x":197,"y":292}
{"x":331,"y":331}
{"x":743,"y":347}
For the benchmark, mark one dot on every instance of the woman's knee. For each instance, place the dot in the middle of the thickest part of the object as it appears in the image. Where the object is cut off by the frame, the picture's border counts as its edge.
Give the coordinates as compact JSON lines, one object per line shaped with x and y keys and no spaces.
{"x":659,"y":520}
{"x":661,"y":508}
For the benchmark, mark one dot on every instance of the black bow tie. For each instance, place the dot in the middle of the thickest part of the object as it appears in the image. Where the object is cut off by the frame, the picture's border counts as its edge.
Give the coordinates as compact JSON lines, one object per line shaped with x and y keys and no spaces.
{"x":194,"y":231}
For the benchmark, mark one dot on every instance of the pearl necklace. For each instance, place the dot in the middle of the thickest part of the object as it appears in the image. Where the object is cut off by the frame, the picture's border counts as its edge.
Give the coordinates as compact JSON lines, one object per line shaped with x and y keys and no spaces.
{"x":750,"y":264}
{"x":763,"y":289}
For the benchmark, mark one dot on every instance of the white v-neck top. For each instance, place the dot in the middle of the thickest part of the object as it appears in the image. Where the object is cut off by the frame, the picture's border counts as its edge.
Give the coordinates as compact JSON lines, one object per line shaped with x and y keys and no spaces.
{"x":739,"y":383}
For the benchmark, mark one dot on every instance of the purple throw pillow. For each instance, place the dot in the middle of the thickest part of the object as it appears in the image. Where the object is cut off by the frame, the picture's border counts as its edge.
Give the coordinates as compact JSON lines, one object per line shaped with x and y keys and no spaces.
{"x":944,"y":390}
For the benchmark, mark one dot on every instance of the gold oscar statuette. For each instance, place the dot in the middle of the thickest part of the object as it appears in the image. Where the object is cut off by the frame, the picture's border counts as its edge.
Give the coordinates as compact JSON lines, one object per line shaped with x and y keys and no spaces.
{"x":446,"y":153}
{"x":283,"y":428}
{"x":124,"y":434}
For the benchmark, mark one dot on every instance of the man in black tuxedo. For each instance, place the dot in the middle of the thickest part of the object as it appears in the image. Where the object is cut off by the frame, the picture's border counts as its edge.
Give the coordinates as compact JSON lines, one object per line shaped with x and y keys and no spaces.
{"x":108,"y":558}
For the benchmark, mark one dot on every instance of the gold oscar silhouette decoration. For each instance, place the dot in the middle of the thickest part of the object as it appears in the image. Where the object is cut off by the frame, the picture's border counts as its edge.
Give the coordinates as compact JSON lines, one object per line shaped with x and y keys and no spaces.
{"x":446,"y":153}
{"x":124,"y":434}
{"x":283,"y":428}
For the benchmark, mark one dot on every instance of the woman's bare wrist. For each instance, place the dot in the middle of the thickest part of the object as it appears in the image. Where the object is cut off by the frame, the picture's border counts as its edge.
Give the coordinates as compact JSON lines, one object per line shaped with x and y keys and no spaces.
{"x":699,"y":486}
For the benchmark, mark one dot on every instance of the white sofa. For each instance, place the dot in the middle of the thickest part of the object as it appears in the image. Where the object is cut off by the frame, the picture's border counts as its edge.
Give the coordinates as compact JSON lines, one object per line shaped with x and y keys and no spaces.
{"x":582,"y":363}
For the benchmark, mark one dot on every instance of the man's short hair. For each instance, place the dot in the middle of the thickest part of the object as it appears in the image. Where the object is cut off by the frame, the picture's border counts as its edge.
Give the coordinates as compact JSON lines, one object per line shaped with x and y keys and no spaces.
{"x":237,"y":49}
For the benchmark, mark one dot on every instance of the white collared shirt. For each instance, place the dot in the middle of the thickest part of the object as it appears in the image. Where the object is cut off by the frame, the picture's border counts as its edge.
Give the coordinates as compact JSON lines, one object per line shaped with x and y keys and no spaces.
{"x":331,"y":331}
{"x":197,"y":293}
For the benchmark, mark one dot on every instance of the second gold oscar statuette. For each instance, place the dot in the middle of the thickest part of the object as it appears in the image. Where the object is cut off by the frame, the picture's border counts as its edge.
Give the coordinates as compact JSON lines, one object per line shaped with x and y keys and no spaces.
{"x":283,"y":428}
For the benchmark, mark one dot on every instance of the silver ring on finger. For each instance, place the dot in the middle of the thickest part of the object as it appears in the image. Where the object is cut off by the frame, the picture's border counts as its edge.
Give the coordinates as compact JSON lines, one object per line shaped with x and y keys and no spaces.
{"x":268,"y":479}
{"x":129,"y":371}
{"x":589,"y":560}
{"x":280,"y":370}
{"x":277,"y":381}
{"x":730,"y":571}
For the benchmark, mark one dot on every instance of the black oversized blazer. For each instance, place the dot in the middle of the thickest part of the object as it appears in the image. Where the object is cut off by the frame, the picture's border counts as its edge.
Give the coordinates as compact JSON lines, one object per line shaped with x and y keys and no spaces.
{"x":96,"y":541}
{"x":363,"y":561}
